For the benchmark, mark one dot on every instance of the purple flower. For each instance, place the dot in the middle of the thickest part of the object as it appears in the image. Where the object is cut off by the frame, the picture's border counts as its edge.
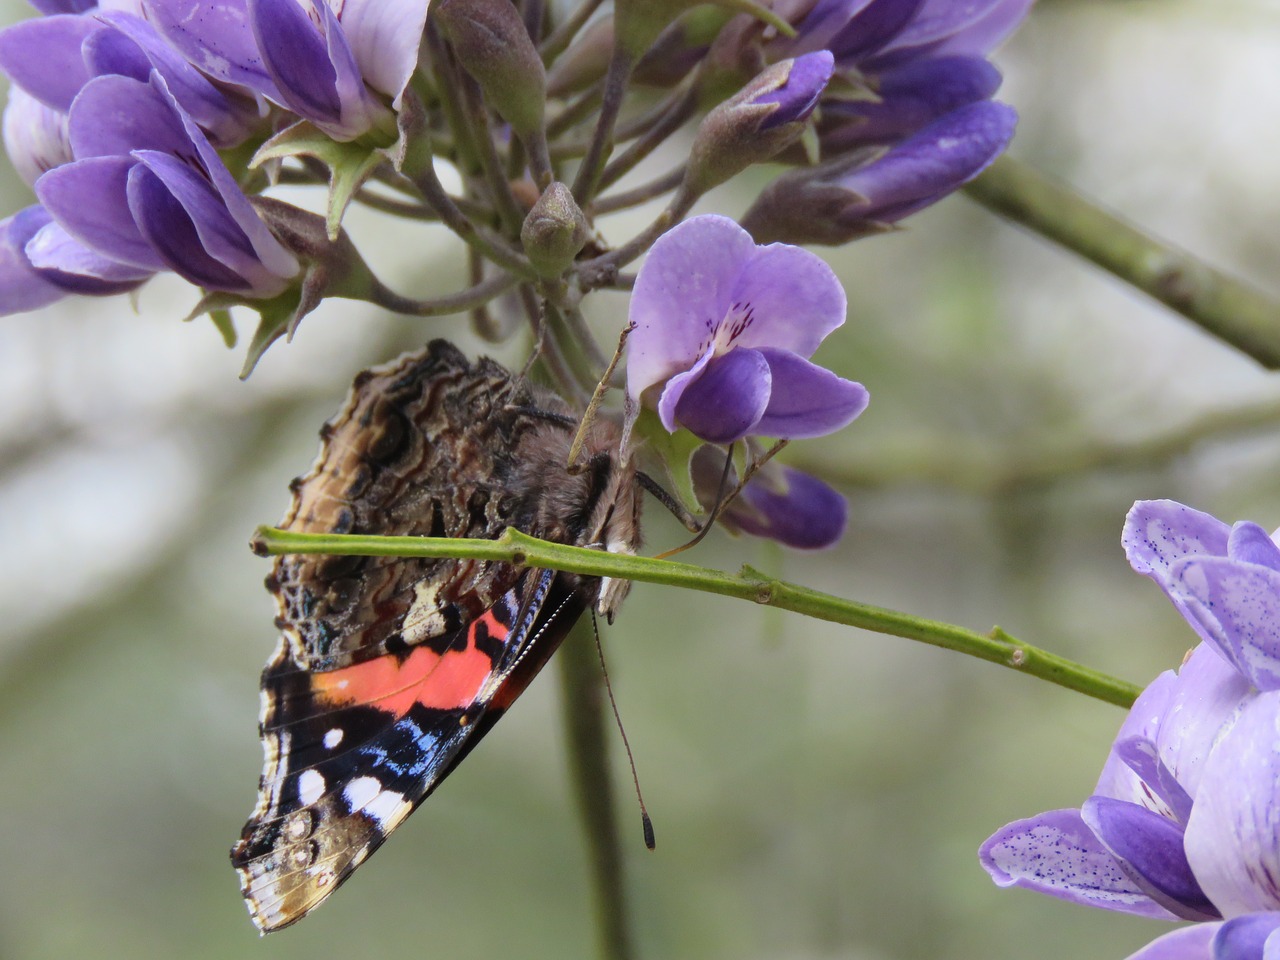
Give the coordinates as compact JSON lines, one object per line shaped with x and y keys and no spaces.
{"x":797,"y":96}
{"x":854,"y":196}
{"x":723,"y":330}
{"x":779,"y":502}
{"x":35,"y":135}
{"x":1185,"y":820}
{"x":331,"y":63}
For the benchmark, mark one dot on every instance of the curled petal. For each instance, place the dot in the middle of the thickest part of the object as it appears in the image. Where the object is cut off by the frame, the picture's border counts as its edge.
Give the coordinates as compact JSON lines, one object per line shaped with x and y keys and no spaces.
{"x":1233,"y":835}
{"x":797,"y":96}
{"x":726,"y":402}
{"x":1149,"y":848}
{"x":43,"y":56}
{"x":1236,"y":607}
{"x":1187,"y":943}
{"x":680,"y":297}
{"x":1057,"y":854}
{"x":1142,"y":756}
{"x":1249,"y":543}
{"x":64,"y":261}
{"x":789,"y":506}
{"x":22,"y":287}
{"x":807,"y":400}
{"x":1118,"y":779}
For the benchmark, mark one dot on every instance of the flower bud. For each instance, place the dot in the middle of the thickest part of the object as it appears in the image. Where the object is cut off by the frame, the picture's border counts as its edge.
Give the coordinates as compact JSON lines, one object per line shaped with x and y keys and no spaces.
{"x":863,"y":193}
{"x":762,"y":119}
{"x":492,"y":43}
{"x":554,"y":231}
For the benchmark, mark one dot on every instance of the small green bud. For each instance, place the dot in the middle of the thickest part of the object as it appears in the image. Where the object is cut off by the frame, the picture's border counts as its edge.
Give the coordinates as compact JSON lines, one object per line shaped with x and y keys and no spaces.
{"x":491,"y":42}
{"x":554,"y":231}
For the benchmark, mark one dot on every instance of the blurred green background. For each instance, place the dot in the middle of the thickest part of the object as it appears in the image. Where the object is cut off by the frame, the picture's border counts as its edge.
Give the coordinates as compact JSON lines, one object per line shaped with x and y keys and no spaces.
{"x":818,"y":792}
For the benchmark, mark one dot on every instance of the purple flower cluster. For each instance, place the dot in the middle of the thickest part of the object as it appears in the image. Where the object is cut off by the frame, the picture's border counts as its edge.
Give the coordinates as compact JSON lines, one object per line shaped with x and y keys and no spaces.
{"x":117,"y":112}
{"x":908,"y":119}
{"x":1182,"y":824}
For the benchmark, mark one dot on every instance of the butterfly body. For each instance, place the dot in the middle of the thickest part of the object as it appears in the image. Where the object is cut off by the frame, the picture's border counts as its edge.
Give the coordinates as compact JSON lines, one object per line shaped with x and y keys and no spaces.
{"x":389,"y":670}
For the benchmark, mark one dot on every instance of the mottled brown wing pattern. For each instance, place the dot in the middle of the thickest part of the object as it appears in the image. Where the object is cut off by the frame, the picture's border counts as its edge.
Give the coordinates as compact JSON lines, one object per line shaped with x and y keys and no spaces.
{"x":424,"y":446}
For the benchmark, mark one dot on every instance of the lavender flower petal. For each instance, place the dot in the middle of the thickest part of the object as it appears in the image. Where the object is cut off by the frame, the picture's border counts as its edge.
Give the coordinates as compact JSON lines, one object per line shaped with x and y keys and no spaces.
{"x":1149,"y":847}
{"x":21,"y":286}
{"x":116,"y":114}
{"x":1235,"y":606}
{"x":51,"y":7}
{"x":44,"y":57}
{"x":983,"y":35}
{"x":681,"y":295}
{"x":1057,"y":854}
{"x":1249,"y":543}
{"x":68,"y":263}
{"x":88,"y":198}
{"x":1142,"y":756}
{"x":789,"y":506}
{"x":1187,"y":943}
{"x":726,"y":402}
{"x":791,"y":298}
{"x":1233,"y":835}
{"x":1157,"y":533}
{"x":872,"y":27}
{"x":297,"y":57}
{"x":1248,"y":937}
{"x":807,"y":400}
{"x":1118,"y":779}
{"x":798,"y":95}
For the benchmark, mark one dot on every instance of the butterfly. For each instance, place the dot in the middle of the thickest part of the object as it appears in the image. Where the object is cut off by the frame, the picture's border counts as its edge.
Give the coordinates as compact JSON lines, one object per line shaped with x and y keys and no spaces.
{"x":390,"y":670}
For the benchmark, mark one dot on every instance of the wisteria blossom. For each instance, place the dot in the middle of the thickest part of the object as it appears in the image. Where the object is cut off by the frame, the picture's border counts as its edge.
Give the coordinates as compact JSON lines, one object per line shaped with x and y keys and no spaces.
{"x":723,"y":330}
{"x":1182,"y":823}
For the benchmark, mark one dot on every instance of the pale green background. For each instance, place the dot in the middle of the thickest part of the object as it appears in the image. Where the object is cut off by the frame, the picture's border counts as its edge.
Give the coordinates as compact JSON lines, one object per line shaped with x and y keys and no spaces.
{"x":818,"y":792}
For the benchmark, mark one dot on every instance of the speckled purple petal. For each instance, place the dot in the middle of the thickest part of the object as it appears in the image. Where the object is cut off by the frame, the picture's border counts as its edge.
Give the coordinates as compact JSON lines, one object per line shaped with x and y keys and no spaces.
{"x":217,"y":38}
{"x":1149,"y":848}
{"x":1159,"y":532}
{"x":385,"y":36}
{"x":1255,"y":936}
{"x":1233,"y":836}
{"x":681,"y":294}
{"x":168,"y":226}
{"x":1057,"y":854}
{"x":793,"y":297}
{"x":807,"y":400}
{"x":1236,"y":607}
{"x":725,"y":403}
{"x":114,"y":115}
{"x":88,"y":198}
{"x":926,"y":167}
{"x":790,"y":506}
{"x":1187,"y":943}
{"x":43,"y":56}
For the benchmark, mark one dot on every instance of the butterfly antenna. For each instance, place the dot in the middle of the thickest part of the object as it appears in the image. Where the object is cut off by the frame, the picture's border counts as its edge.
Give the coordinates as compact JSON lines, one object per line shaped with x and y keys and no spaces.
{"x":723,"y":499}
{"x":645,"y":821}
{"x":596,"y":399}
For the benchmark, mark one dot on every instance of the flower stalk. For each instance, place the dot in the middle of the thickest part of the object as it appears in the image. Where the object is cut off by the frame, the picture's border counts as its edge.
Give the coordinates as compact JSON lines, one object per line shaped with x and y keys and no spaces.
{"x":515,"y":547}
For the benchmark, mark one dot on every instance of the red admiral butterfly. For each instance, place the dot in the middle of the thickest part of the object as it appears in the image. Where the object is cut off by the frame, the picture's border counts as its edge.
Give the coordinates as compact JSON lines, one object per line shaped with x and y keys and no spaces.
{"x":389,"y":670}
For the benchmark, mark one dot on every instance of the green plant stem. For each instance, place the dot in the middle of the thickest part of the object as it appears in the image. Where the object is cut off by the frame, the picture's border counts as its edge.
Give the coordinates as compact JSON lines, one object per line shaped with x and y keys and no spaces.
{"x":586,"y":729}
{"x":1223,"y":306}
{"x":520,"y":549}
{"x":471,"y":298}
{"x":563,"y":35}
{"x":615,"y":88}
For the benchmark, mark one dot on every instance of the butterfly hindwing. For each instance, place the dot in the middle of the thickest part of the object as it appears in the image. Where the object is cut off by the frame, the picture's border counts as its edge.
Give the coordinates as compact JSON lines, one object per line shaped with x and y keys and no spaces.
{"x":351,"y":752}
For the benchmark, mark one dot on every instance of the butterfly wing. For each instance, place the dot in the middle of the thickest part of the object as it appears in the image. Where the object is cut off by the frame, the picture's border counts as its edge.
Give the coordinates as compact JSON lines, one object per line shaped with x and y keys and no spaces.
{"x":351,"y":752}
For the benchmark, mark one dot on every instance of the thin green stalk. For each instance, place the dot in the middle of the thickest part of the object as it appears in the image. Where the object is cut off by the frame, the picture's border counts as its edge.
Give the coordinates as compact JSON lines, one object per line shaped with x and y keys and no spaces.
{"x":520,"y":549}
{"x":563,"y":35}
{"x":586,"y":728}
{"x":1222,"y":305}
{"x":587,"y":180}
{"x":471,"y":298}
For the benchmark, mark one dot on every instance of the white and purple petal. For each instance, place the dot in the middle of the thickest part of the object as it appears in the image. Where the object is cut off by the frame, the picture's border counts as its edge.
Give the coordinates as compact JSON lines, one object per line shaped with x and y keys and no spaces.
{"x":217,"y":38}
{"x":1233,"y":835}
{"x":1057,"y":854}
{"x":1186,"y":943}
{"x":67,"y":262}
{"x":1236,"y":607}
{"x":1254,"y":936}
{"x":385,"y":36}
{"x":807,"y":400}
{"x":1157,"y":533}
{"x":788,"y":298}
{"x":35,"y":135}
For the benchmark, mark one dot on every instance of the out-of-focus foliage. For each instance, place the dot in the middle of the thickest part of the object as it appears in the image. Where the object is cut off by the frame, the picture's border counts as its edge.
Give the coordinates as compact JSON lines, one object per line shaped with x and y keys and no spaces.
{"x":817,"y":792}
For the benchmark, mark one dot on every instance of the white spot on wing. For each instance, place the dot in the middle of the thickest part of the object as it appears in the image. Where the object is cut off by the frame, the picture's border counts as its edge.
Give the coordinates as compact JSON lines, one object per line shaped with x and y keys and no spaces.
{"x":310,"y":786}
{"x":332,"y":738}
{"x":360,"y":791}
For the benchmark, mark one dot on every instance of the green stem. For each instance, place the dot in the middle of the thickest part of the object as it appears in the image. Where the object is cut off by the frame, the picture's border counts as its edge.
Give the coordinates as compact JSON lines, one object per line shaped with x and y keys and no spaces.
{"x":472,"y":298}
{"x":520,"y":549}
{"x":586,"y":727}
{"x":1222,"y":305}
